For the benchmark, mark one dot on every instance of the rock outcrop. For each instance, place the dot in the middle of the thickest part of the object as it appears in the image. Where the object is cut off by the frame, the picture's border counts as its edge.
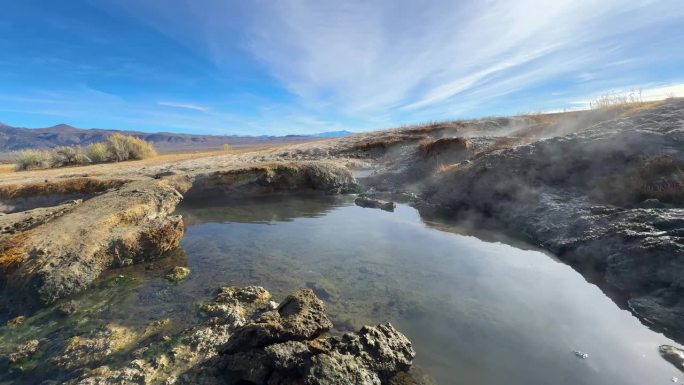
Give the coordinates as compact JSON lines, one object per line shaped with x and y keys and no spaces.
{"x":245,"y":339}
{"x":320,"y":176}
{"x":282,"y":347}
{"x":580,"y":196}
{"x":48,"y":253}
{"x":64,"y":255}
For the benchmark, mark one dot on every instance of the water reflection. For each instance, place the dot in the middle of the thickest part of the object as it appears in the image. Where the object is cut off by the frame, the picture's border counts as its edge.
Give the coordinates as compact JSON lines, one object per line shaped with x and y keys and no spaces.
{"x":478,"y":312}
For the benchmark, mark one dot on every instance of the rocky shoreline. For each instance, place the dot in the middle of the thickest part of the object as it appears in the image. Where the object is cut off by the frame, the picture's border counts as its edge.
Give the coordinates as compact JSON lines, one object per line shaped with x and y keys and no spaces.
{"x":602,"y":191}
{"x":245,"y":338}
{"x":606,"y":199}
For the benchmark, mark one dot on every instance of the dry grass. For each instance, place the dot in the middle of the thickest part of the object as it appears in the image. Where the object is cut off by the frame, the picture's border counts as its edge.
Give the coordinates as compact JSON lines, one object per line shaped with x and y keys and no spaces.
{"x":116,"y":148}
{"x":7,"y":168}
{"x":381,"y":143}
{"x":658,"y":177}
{"x":633,"y":109}
{"x":428,"y":146}
{"x":616,"y":99}
{"x":11,"y":176}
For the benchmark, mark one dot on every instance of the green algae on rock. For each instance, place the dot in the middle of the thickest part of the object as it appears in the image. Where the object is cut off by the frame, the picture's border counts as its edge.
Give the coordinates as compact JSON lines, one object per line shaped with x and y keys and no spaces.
{"x":177,"y":274}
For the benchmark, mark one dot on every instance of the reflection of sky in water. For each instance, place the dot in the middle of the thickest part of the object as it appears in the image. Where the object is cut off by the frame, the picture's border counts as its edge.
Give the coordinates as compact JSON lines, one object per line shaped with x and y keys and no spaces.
{"x":477,"y":312}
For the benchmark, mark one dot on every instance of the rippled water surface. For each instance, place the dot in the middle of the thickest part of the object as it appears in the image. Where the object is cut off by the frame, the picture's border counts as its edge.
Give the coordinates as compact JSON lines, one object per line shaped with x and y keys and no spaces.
{"x":478,"y":312}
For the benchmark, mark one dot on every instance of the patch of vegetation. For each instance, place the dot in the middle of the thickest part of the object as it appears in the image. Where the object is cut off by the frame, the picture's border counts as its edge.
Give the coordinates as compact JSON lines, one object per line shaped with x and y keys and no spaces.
{"x":617,"y":99}
{"x":428,"y":147}
{"x":98,"y":152}
{"x":122,"y":147}
{"x":657,"y":177}
{"x":33,"y":159}
{"x":117,"y":148}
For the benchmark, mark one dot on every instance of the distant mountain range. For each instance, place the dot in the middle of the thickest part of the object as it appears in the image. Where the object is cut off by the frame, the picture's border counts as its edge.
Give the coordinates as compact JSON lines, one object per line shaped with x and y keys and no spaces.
{"x":17,"y":138}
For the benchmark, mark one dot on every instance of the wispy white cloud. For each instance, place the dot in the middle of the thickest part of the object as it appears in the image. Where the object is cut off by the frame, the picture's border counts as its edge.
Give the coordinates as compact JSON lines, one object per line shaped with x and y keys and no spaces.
{"x":187,"y":106}
{"x":366,"y":56}
{"x":362,"y":64}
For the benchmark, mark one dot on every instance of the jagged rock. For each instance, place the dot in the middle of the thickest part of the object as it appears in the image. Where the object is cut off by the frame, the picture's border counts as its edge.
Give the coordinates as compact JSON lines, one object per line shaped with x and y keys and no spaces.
{"x":374,"y":203}
{"x":23,"y":351}
{"x":283,"y":347}
{"x":673,"y":355}
{"x":301,"y":316}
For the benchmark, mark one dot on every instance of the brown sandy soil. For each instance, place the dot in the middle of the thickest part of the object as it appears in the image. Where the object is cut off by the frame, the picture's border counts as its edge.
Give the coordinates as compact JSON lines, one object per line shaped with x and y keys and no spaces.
{"x":132,"y":169}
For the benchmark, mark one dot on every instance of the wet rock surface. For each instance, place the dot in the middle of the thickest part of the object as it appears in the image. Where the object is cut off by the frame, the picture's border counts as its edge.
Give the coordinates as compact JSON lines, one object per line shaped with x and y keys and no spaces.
{"x":287,"y":348}
{"x":572,"y":195}
{"x":53,"y":252}
{"x":23,"y":351}
{"x":368,"y":202}
{"x":66,"y":254}
{"x":673,"y":355}
{"x":177,"y":274}
{"x":282,"y":347}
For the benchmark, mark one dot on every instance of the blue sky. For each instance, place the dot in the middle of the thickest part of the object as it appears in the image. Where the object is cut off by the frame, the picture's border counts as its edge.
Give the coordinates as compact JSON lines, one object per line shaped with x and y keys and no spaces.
{"x":281,"y":67}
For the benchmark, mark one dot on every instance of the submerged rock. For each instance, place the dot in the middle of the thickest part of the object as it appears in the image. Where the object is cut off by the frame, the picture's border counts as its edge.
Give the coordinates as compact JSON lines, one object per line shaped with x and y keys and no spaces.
{"x":67,"y":308}
{"x":374,"y":203}
{"x":177,"y":274}
{"x":673,"y":355}
{"x":187,"y":358}
{"x":16,"y":321}
{"x":81,"y":351}
{"x":23,"y":351}
{"x":245,"y":340}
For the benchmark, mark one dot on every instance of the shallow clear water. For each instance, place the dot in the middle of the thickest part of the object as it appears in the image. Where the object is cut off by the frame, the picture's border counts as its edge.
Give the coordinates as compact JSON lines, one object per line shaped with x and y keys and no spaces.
{"x":477,"y":312}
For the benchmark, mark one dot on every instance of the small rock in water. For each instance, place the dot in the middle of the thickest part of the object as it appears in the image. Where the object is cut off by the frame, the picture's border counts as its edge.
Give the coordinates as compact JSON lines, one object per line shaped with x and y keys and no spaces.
{"x":177,"y":274}
{"x":67,"y":308}
{"x":674,"y":379}
{"x":581,"y":354}
{"x":24,"y":351}
{"x":374,"y":203}
{"x":673,"y":355}
{"x":16,"y":321}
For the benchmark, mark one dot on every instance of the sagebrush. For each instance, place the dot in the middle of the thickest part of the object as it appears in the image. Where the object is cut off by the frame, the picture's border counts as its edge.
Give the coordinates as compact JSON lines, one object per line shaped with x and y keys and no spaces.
{"x":116,"y":148}
{"x":32,"y":159}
